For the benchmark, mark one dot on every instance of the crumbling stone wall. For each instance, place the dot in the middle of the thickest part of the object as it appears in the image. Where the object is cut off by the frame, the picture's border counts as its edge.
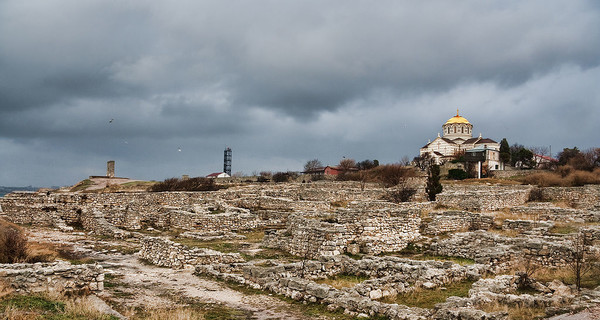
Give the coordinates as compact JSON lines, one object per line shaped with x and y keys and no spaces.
{"x":526,"y":225}
{"x":502,"y":252}
{"x":386,"y":277}
{"x":57,"y":276}
{"x":482,"y":198}
{"x":226,"y":221}
{"x":166,"y":253}
{"x":549,"y":211}
{"x":384,"y":230}
{"x":451,"y":221}
{"x":586,"y":197}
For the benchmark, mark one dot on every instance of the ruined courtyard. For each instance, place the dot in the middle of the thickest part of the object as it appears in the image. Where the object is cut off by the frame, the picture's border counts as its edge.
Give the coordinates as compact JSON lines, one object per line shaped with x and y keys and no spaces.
{"x":272,"y":250}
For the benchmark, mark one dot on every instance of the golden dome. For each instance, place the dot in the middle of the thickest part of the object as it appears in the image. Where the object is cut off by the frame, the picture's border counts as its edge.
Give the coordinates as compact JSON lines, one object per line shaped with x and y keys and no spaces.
{"x":457,"y":119}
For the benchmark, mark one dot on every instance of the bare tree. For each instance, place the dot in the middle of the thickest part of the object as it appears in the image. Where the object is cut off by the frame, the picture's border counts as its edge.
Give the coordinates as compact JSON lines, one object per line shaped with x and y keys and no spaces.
{"x":347,"y":164}
{"x":581,"y":261}
{"x":424,"y":161}
{"x":313,"y":164}
{"x":405,"y":161}
{"x":542,"y":151}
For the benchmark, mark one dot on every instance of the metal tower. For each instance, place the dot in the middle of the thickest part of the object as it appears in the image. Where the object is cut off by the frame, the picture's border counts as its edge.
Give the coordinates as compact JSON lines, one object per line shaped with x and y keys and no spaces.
{"x":227,"y":161}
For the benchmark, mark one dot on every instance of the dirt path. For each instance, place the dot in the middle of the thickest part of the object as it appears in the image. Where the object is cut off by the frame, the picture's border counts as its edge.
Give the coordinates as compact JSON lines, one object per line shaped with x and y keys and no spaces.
{"x":131,"y":284}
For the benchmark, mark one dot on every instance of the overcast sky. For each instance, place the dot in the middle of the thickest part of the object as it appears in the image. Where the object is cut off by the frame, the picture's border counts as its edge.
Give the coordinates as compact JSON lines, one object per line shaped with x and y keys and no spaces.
{"x":283,"y":82}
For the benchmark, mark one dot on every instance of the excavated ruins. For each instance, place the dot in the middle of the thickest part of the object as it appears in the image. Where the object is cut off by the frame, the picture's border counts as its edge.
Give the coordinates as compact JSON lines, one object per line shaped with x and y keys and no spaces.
{"x":487,"y":237}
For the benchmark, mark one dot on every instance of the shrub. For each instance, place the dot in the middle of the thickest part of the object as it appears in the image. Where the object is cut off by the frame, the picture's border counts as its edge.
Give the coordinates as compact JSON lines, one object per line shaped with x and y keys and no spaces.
{"x":13,"y":243}
{"x":402,"y":194}
{"x":457,"y":174}
{"x":580,"y":178}
{"x":193,"y":184}
{"x":544,"y":179}
{"x":284,"y":176}
{"x":391,"y":174}
{"x":433,"y":186}
{"x":536,"y":194}
{"x":565,"y":176}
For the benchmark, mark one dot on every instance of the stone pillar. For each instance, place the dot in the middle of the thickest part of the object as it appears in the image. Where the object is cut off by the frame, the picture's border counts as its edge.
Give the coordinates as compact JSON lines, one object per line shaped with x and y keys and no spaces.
{"x":110,"y":169}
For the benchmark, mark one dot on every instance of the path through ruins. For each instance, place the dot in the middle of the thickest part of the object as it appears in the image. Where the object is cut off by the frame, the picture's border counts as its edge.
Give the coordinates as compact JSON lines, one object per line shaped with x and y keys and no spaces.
{"x":139,"y":285}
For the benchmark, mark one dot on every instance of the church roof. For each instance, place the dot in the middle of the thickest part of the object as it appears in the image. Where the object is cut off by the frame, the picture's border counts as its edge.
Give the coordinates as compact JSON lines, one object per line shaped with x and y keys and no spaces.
{"x":486,"y":140}
{"x":471,"y":141}
{"x":457,"y":119}
{"x":448,"y":140}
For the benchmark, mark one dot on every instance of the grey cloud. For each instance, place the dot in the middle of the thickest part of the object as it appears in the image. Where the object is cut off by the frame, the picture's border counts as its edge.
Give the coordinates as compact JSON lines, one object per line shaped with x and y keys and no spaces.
{"x":280,"y":80}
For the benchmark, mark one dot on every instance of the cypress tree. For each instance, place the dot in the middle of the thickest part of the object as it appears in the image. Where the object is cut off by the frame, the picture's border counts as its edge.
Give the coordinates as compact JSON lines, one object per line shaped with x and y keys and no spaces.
{"x":504,"y":151}
{"x":433,"y":186}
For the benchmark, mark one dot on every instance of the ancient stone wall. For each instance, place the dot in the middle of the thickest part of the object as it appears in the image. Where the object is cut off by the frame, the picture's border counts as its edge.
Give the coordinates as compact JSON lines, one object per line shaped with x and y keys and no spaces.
{"x":385,"y":277}
{"x":451,"y":221}
{"x":586,"y":197}
{"x":502,"y":252}
{"x":56,"y":276}
{"x":482,"y":198}
{"x":373,"y":232}
{"x":166,"y":253}
{"x":549,"y":211}
{"x":526,"y":225}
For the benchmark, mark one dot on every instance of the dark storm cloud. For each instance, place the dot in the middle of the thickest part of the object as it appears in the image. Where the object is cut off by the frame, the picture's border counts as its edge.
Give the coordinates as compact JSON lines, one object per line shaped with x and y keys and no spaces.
{"x":285,"y":80}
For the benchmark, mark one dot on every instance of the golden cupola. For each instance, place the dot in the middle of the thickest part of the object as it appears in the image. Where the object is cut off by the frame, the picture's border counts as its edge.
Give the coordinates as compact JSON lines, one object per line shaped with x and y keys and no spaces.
{"x":457,"y":127}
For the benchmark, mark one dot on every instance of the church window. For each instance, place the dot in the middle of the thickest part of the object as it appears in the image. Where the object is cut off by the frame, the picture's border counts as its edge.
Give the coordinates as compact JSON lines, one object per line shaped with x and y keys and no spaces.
{"x":454,"y":129}
{"x":462,"y":130}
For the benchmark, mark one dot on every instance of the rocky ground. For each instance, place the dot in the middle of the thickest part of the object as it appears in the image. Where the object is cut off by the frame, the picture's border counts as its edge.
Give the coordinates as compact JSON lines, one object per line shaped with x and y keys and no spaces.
{"x":134,"y":285}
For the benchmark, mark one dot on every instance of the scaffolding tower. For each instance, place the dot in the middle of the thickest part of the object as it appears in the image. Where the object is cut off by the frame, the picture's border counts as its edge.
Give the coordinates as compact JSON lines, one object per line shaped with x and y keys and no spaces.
{"x":227,"y":161}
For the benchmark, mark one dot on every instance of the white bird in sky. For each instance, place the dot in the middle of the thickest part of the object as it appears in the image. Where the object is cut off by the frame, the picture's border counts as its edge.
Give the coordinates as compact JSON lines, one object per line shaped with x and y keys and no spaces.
{"x":179,"y":149}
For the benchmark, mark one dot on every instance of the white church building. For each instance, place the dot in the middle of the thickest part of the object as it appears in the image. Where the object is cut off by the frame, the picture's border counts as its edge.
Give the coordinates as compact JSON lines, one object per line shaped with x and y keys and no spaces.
{"x":457,"y":137}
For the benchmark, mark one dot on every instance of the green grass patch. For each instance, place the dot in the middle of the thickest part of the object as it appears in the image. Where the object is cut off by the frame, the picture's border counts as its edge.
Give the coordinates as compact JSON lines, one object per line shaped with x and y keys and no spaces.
{"x":32,"y":303}
{"x":255,"y":236}
{"x":83,"y":185}
{"x":219,"y":312}
{"x":39,"y":306}
{"x":343,"y":280}
{"x":428,"y":298}
{"x":564,"y":229}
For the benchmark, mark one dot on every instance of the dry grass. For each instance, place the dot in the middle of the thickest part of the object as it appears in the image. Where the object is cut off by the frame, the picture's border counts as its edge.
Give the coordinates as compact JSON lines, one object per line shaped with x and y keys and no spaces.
{"x":180,"y":313}
{"x":428,"y":298}
{"x":495,"y":181}
{"x":339,"y":204}
{"x":40,"y":252}
{"x":5,"y":289}
{"x":563,"y":177}
{"x":13,"y":243}
{"x":255,"y":236}
{"x":516,"y":312}
{"x":343,"y":281}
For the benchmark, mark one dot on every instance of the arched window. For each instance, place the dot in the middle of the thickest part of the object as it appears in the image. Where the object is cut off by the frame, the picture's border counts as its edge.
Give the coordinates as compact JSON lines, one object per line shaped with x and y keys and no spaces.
{"x":454,"y":129}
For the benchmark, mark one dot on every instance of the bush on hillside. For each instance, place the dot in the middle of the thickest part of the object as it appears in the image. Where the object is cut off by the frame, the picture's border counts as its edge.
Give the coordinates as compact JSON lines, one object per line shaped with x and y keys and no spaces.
{"x":391,"y":174}
{"x":192,"y":184}
{"x":564,"y":176}
{"x":13,"y":243}
{"x":284,"y":176}
{"x":457,"y":174}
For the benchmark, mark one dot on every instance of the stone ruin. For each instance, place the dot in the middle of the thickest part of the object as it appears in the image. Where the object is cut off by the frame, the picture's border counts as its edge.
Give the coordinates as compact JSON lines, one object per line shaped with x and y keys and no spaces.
{"x":322,"y":223}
